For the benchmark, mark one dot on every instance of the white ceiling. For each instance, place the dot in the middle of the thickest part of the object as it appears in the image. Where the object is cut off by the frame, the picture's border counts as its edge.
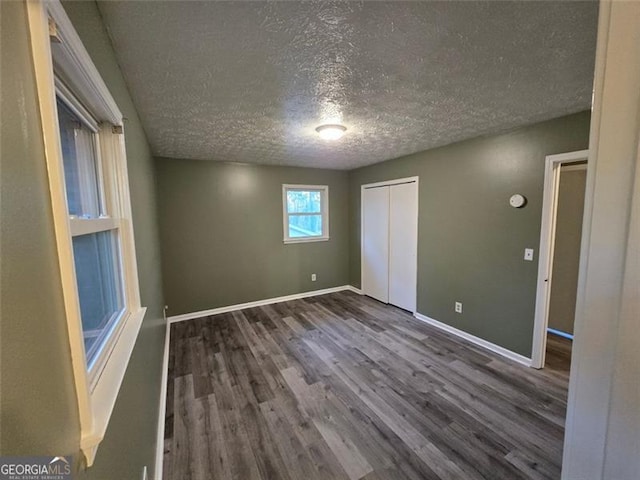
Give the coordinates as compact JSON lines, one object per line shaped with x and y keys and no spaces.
{"x":249,"y":81}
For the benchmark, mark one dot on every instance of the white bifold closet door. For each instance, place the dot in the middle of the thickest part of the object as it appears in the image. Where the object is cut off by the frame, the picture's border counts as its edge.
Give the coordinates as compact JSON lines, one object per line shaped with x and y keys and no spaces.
{"x":403,"y":245}
{"x":390,"y":243}
{"x":375,"y":243}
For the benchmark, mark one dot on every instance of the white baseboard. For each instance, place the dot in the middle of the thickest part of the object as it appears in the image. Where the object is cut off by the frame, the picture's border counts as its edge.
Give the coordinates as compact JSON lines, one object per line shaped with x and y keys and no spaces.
{"x":355,"y":289}
{"x":259,"y":303}
{"x":516,"y":357}
{"x":163,"y":407}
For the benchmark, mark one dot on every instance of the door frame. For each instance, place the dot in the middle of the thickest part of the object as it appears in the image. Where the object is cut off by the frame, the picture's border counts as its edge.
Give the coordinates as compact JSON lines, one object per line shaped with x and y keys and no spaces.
{"x":553,"y":164}
{"x":388,"y":183}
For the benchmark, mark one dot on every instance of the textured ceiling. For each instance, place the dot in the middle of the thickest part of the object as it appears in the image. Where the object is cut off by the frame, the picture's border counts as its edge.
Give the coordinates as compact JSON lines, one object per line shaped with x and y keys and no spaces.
{"x":250,"y":81}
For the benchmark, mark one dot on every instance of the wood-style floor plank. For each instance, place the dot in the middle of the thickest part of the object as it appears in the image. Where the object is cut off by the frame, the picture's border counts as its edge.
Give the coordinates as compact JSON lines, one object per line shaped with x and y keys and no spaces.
{"x":341,"y":386}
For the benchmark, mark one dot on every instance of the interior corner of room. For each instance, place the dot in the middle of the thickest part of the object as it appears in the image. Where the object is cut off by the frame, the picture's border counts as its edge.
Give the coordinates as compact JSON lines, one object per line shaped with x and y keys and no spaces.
{"x":356,"y":240}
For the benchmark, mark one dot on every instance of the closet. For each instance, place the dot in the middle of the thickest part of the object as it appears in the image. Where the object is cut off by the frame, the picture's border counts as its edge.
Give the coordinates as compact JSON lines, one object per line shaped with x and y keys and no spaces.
{"x":389,"y":250}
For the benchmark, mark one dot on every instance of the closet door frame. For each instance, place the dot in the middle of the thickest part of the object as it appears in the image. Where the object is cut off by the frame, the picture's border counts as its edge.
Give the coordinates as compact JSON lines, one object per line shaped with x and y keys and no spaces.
{"x":386,"y":183}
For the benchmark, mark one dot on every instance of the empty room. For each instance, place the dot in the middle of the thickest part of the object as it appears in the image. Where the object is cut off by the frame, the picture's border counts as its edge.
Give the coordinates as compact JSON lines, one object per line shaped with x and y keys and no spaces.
{"x":356,"y":240}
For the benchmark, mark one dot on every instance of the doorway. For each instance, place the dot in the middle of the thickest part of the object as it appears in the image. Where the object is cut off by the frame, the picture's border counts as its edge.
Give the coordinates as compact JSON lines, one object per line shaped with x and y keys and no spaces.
{"x":389,"y":248}
{"x":560,"y":240}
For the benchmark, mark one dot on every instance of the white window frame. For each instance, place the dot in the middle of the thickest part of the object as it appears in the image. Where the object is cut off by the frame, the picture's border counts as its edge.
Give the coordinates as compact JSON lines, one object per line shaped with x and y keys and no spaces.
{"x":324,"y":211}
{"x":76,"y":80}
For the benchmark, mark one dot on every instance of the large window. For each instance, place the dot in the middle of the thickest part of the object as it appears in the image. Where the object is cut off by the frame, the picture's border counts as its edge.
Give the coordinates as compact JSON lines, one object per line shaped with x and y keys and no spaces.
{"x":306,"y":213}
{"x":95,"y":231}
{"x":84,"y":146}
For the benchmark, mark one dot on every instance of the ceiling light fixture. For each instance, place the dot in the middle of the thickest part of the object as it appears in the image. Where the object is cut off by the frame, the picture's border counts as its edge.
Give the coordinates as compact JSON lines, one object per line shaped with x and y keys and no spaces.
{"x":331,"y":132}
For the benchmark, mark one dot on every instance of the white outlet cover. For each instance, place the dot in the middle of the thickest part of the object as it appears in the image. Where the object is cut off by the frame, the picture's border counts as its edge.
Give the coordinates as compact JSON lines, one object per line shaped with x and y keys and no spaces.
{"x":458,"y":307}
{"x":528,"y":254}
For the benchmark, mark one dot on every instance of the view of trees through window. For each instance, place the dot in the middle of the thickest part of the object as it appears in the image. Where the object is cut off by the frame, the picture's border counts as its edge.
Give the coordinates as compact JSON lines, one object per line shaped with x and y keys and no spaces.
{"x":304,"y":209}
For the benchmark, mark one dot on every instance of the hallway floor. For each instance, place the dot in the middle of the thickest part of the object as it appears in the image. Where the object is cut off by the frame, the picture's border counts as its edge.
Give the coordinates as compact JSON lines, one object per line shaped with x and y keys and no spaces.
{"x":558,"y":357}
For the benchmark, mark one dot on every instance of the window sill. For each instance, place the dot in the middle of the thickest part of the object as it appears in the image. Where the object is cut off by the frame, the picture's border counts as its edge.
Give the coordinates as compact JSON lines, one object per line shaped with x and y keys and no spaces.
{"x":105,"y":392}
{"x":306,"y":240}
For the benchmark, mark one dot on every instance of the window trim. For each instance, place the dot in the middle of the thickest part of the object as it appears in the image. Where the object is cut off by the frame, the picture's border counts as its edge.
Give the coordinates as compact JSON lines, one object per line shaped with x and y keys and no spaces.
{"x":95,"y":396}
{"x":75,"y":105}
{"x":324,"y":212}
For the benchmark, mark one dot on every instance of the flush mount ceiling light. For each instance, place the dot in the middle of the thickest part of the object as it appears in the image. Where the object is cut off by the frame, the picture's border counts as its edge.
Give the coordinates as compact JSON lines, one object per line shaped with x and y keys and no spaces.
{"x":331,"y":132}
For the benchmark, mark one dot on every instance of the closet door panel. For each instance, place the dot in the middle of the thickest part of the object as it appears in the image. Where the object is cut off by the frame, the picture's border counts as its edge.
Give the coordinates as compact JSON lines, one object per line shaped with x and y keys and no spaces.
{"x":375,"y":243}
{"x":403,"y":245}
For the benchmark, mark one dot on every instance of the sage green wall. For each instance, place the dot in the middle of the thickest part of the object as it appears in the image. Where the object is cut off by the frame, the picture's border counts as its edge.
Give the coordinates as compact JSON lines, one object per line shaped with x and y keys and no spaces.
{"x":566,"y":255}
{"x":221,"y":234}
{"x":39,"y":411}
{"x":470,"y":241}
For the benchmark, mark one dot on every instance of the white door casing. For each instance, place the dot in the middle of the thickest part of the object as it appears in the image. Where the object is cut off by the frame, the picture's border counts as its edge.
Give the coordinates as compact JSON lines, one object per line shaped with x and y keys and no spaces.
{"x":553,"y":163}
{"x":602,"y":432}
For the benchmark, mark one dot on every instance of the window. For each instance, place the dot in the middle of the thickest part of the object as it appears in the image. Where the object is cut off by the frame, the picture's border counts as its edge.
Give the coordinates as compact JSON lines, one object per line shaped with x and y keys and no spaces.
{"x":88,"y":182}
{"x":306,"y":213}
{"x":95,"y":232}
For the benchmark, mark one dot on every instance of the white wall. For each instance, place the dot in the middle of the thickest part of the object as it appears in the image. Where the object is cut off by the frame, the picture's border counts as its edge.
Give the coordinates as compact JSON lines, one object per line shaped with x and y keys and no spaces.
{"x":602,"y":439}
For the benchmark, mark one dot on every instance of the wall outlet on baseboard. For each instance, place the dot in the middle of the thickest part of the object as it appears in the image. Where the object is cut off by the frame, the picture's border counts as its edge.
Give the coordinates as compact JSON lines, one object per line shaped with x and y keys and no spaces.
{"x":144,"y":473}
{"x":458,"y":307}
{"x":313,"y":277}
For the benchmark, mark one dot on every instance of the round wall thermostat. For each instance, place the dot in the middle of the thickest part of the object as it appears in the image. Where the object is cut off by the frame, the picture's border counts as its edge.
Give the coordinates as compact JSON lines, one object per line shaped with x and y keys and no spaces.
{"x":517,"y":201}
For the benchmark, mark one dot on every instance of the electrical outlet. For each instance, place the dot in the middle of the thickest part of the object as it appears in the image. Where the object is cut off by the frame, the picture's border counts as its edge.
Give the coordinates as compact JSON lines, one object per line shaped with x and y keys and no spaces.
{"x":313,"y":277}
{"x":144,"y":473}
{"x":458,"y":307}
{"x":528,"y":254}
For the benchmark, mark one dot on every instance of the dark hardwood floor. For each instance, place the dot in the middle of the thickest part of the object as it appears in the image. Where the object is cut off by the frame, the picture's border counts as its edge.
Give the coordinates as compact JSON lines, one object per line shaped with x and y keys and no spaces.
{"x":341,"y":386}
{"x":558,"y":357}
